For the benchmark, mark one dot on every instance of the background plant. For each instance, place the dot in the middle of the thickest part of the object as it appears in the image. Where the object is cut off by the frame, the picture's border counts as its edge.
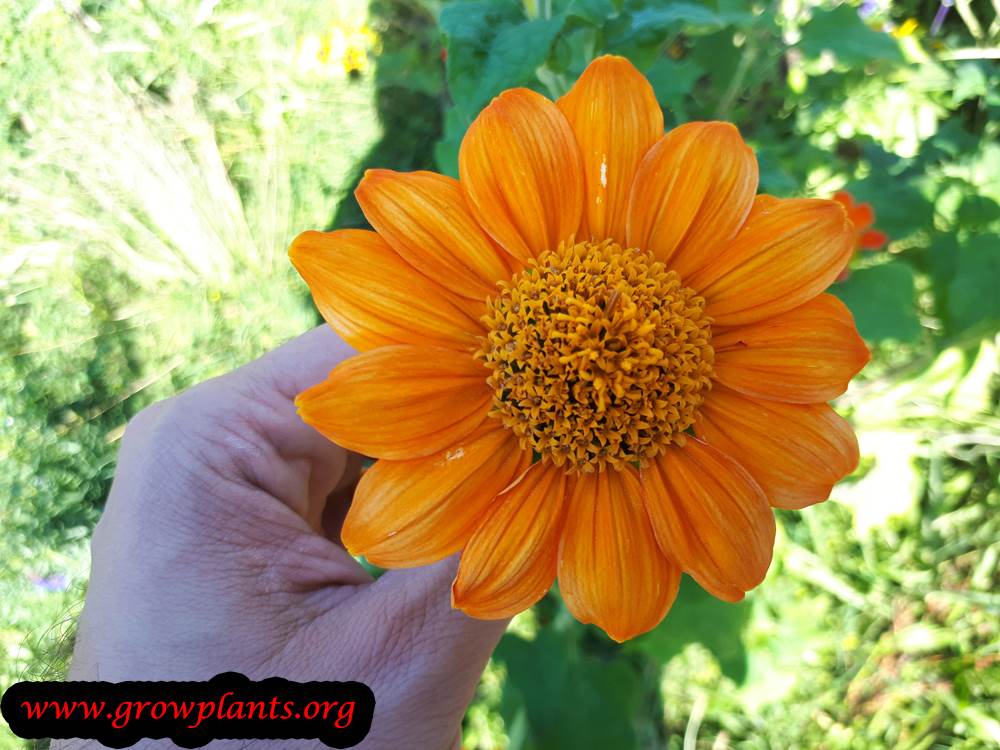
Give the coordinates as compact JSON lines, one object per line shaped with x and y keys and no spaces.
{"x":157,"y":158}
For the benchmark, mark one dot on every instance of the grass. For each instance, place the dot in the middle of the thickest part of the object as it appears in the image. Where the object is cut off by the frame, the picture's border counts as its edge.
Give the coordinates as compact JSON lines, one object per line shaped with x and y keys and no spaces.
{"x":155,"y":163}
{"x":156,"y":166}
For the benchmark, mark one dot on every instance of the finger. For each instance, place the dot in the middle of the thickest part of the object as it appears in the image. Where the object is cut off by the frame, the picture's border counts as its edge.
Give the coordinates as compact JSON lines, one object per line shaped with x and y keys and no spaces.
{"x":308,"y":467}
{"x":417,"y":604}
{"x":400,"y":636}
{"x":241,"y":469}
{"x":301,"y":362}
{"x":333,"y":513}
{"x":427,"y":591}
{"x":308,"y":473}
{"x":410,"y":615}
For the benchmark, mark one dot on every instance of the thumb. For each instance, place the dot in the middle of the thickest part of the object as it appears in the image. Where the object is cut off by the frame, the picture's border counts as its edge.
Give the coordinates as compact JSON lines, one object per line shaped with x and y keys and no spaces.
{"x":428,"y":652}
{"x":421,"y":598}
{"x":308,"y":467}
{"x":299,"y":363}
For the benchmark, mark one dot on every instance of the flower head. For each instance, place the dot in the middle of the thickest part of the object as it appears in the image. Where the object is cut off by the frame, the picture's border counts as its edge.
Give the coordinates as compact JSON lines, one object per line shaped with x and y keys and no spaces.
{"x":596,"y":356}
{"x":862,"y":217}
{"x":341,"y":50}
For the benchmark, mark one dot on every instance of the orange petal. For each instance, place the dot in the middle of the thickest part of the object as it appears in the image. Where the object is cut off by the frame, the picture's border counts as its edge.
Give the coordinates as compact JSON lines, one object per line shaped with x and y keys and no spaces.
{"x":611,"y":571}
{"x":510,"y":562}
{"x":399,"y":402}
{"x":372,"y":297}
{"x":761,"y":203}
{"x":862,"y":216}
{"x":803,"y":356}
{"x":521,"y":171}
{"x":473,"y":308}
{"x":786,"y":255}
{"x":844,"y":198}
{"x":873,"y":239}
{"x":711,"y":517}
{"x":796,"y":452}
{"x":616,"y":118}
{"x":408,"y":513}
{"x":691,"y":194}
{"x":424,"y":216}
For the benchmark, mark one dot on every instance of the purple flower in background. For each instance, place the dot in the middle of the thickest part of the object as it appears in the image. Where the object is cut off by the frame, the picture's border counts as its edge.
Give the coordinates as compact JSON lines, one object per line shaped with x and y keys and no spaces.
{"x":940,"y":16}
{"x":56,"y":582}
{"x":868,"y":9}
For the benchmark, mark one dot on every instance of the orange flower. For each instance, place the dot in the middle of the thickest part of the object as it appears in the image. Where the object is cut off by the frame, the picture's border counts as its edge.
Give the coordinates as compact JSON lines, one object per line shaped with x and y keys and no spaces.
{"x":596,"y":356}
{"x":862,"y":216}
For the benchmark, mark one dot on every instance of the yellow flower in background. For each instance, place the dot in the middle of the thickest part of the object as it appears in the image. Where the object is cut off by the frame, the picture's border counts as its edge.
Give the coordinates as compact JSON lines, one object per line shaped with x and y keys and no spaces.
{"x":342,"y":50}
{"x":907,"y":28}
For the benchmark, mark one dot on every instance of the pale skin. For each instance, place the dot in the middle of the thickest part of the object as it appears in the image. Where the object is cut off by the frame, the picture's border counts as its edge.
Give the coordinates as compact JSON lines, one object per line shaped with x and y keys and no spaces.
{"x":219,"y":551}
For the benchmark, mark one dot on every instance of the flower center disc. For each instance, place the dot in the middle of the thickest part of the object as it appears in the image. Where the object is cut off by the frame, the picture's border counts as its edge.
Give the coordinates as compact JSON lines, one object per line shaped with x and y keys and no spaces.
{"x":599,"y":356}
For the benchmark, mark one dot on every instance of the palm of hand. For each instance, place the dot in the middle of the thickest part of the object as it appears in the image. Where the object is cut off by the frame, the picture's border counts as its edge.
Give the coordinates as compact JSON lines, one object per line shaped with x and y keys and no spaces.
{"x":218,"y":551}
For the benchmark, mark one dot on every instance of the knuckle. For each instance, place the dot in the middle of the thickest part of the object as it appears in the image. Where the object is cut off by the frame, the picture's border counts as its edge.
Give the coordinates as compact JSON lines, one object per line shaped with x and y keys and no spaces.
{"x":142,"y":423}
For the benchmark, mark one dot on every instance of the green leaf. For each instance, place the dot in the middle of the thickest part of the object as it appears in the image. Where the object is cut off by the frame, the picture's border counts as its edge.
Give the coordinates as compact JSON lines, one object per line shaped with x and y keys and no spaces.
{"x":881,"y":299}
{"x":672,"y":80}
{"x":571,"y":700}
{"x":516,"y":52}
{"x":640,"y":36}
{"x":469,"y":28}
{"x":842,"y":32}
{"x":446,"y":149}
{"x":670,"y":17}
{"x":977,"y":211}
{"x":774,"y":178}
{"x":900,"y":208}
{"x":594,"y":12}
{"x":780,"y":639}
{"x":952,"y":139}
{"x":717,"y":55}
{"x":697,"y":616}
{"x":970,"y":82}
{"x":940,"y":262}
{"x":735,"y":12}
{"x":972,"y":293}
{"x":446,"y":157}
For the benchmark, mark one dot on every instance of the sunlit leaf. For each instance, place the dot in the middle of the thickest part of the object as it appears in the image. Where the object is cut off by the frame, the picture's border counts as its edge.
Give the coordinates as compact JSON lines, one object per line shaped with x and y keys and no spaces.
{"x":972,"y":295}
{"x":672,"y":80}
{"x":697,"y":616}
{"x":882,"y":300}
{"x":594,"y":12}
{"x":571,"y":700}
{"x":900,"y":209}
{"x":469,"y":28}
{"x":669,"y":17}
{"x":514,"y":55}
{"x":970,"y":82}
{"x":842,"y":33}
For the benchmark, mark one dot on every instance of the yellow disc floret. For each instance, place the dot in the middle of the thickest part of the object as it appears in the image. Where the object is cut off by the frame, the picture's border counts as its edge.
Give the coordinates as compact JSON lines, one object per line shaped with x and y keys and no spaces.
{"x":599,"y":356}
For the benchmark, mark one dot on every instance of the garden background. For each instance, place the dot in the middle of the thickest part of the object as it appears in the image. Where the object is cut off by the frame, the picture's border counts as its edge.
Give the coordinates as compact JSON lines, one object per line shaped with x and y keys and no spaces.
{"x":156,"y":159}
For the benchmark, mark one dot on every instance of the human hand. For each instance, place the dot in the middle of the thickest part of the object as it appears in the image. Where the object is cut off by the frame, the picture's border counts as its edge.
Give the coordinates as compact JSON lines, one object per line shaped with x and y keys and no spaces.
{"x":219,"y":551}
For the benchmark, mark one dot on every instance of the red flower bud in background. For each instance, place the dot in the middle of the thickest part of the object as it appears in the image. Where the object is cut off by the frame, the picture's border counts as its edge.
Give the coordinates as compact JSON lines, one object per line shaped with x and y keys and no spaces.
{"x":862,"y":216}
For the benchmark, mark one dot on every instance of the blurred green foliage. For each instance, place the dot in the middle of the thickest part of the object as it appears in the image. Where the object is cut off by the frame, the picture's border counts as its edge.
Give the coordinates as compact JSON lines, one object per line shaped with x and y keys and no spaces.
{"x":157,"y":159}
